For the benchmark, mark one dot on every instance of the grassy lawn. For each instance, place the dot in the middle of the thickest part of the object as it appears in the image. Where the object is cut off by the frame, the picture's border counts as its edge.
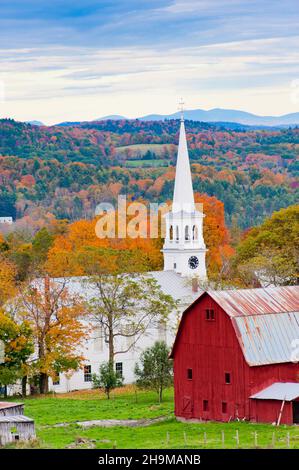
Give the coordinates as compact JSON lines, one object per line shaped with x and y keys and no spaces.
{"x":143,"y":148}
{"x":81,"y":406}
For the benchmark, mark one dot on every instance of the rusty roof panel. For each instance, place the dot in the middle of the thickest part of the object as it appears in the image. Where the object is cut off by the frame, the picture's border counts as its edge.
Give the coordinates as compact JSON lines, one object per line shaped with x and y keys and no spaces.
{"x":261,"y":301}
{"x":267,"y":339}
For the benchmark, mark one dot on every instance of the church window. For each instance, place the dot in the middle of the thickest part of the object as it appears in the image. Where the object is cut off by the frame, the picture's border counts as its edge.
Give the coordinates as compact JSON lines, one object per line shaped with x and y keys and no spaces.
{"x":171,"y":233}
{"x":187,"y":236}
{"x":195,"y":232}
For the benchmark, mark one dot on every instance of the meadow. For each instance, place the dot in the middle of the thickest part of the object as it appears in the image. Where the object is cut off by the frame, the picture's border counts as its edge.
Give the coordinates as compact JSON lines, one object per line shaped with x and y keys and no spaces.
{"x":128,"y":404}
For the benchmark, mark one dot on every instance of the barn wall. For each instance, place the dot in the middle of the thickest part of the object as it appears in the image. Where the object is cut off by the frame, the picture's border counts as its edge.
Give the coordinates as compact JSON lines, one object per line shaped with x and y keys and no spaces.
{"x":267,"y":411}
{"x":209,"y":348}
{"x":12,"y":411}
{"x":25,"y":431}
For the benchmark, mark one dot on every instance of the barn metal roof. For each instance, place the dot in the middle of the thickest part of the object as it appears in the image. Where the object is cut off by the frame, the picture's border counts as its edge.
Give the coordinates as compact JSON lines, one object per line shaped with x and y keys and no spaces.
{"x":267,"y":339}
{"x":6,"y":404}
{"x":258,"y":301}
{"x":266,"y":322}
{"x":279,"y":391}
{"x":15,"y":419}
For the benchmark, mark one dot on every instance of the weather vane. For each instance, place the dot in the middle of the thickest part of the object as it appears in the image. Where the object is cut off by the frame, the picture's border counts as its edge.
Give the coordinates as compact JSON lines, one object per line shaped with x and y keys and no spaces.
{"x":181,"y":108}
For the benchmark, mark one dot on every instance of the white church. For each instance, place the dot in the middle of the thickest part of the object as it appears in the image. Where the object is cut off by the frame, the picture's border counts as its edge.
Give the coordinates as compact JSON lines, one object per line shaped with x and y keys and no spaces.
{"x":184,"y":254}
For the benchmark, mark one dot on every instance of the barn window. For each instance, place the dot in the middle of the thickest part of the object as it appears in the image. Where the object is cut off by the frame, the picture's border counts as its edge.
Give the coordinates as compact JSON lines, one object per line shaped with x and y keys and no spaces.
{"x":224,"y":407}
{"x":189,"y":374}
{"x":119,"y":368}
{"x":210,"y":314}
{"x":87,"y":374}
{"x":227,"y":378}
{"x":205,"y":405}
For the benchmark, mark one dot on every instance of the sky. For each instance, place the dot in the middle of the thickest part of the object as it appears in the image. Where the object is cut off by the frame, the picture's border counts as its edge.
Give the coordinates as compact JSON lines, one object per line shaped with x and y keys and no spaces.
{"x":69,"y":60}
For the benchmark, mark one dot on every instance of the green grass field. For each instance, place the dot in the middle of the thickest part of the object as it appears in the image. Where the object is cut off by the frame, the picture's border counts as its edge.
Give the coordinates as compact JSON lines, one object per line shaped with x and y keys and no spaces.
{"x":170,"y":433}
{"x":141,"y":149}
{"x":146,"y":163}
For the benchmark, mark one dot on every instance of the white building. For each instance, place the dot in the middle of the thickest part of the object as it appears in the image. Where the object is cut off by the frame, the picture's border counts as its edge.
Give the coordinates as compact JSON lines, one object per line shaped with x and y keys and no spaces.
{"x":6,"y":220}
{"x":184,"y":257}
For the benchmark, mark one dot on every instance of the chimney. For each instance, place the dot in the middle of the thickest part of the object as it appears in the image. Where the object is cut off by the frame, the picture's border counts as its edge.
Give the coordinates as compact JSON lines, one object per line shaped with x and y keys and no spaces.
{"x":194,"y":284}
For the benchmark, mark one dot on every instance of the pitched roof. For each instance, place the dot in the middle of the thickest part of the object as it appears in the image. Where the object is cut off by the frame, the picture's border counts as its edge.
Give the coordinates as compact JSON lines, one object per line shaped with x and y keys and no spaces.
{"x":171,"y":283}
{"x":6,"y":404}
{"x":279,"y":391}
{"x":266,"y":321}
{"x":258,"y":301}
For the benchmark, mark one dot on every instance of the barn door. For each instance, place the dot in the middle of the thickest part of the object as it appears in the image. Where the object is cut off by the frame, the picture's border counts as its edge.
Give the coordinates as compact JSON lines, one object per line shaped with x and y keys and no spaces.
{"x":296,"y":412}
{"x":187,"y":407}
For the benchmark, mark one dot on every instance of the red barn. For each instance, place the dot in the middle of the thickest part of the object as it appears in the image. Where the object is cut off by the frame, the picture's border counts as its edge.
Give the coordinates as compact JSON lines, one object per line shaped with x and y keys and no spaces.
{"x":236,"y":356}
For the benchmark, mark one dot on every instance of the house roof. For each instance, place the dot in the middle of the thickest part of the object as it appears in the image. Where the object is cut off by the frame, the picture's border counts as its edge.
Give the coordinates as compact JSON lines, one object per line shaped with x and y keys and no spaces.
{"x":266,"y":321}
{"x":170,"y":282}
{"x":279,"y":391}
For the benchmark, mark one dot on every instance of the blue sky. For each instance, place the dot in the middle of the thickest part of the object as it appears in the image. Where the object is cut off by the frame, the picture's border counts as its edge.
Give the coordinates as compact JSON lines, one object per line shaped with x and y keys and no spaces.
{"x":69,"y":60}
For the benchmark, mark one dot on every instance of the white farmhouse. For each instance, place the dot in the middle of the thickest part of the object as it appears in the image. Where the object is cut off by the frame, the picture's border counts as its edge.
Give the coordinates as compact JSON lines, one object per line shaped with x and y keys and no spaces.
{"x":184,"y":257}
{"x":184,"y":253}
{"x":6,"y":220}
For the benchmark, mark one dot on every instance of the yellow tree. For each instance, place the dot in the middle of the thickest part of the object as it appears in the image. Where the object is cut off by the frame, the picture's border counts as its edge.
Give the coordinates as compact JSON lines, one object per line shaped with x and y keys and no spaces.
{"x":55,"y":317}
{"x":7,"y":279}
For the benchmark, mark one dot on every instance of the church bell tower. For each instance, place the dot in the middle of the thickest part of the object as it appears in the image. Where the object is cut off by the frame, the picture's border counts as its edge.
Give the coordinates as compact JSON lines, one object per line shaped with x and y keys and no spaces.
{"x":184,"y":248}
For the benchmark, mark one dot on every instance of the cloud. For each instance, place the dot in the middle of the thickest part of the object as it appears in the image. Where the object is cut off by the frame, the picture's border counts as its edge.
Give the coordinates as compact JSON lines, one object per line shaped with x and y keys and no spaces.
{"x":120,"y":52}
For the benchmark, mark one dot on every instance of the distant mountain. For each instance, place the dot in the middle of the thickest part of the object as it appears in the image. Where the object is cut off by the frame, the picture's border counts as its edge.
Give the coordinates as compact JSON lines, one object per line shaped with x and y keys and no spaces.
{"x":35,"y":123}
{"x":228,"y":115}
{"x":111,"y":117}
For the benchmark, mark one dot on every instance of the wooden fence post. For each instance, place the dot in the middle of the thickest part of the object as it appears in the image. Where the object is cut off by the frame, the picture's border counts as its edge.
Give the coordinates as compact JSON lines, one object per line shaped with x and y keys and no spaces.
{"x":167,"y":438}
{"x":185,"y":438}
{"x":255,"y":439}
{"x":222,"y":439}
{"x":237,"y":438}
{"x":205,"y":438}
{"x":288,"y":440}
{"x":273,"y":439}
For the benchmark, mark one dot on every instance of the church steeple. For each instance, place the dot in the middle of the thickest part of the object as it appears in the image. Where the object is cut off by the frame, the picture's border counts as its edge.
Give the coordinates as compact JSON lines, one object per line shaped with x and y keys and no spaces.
{"x":183,"y":197}
{"x":184,"y":249}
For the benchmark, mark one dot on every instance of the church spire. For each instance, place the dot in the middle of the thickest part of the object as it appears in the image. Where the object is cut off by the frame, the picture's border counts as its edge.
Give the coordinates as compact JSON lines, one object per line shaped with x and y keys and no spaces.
{"x":183,"y":198}
{"x":184,"y":248}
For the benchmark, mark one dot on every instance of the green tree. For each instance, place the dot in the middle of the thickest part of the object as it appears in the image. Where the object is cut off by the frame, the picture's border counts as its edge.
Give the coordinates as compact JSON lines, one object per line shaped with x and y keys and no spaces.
{"x":18,"y":347}
{"x":155,"y":371}
{"x":125,"y":306}
{"x":108,"y":379}
{"x":270,"y":253}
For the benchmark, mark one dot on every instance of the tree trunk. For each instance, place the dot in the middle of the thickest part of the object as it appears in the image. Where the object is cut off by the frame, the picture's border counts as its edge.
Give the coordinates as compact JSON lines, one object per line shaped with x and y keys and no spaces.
{"x":5,"y":391}
{"x":43,"y":383}
{"x":160,"y":394}
{"x":111,"y":343}
{"x":24,"y":386}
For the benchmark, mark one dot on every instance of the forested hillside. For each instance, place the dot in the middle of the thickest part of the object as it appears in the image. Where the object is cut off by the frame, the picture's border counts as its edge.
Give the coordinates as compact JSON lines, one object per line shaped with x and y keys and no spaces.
{"x":66,"y":171}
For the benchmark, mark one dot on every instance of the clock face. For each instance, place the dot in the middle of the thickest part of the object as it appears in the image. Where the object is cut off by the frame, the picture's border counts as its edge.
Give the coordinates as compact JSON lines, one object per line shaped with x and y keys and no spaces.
{"x":193,"y":262}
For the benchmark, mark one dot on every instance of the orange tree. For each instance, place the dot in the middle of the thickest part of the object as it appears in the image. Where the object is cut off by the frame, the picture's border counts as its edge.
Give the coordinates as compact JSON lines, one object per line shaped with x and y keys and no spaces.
{"x":55,"y":317}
